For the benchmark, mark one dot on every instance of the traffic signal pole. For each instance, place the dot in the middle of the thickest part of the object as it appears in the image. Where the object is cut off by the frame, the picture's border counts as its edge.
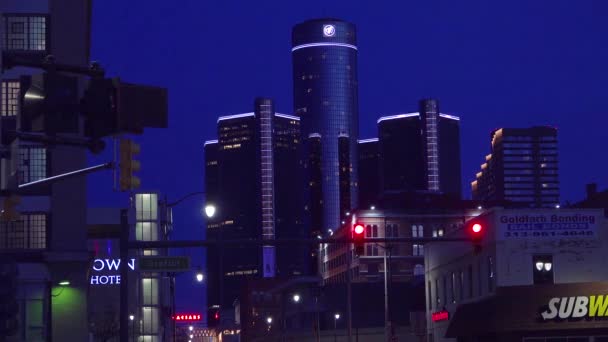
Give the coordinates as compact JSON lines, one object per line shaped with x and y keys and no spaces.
{"x":66,"y":175}
{"x":279,"y":242}
{"x":124,"y":277}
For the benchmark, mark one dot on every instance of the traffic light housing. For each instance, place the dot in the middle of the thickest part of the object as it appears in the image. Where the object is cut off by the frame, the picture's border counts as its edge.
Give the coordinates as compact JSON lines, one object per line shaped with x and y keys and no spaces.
{"x":9,"y":211}
{"x":112,"y":107}
{"x":129,"y":165}
{"x":358,"y":235}
{"x":213,"y":316}
{"x":476,"y":230}
{"x":51,"y":103}
{"x":9,"y":307}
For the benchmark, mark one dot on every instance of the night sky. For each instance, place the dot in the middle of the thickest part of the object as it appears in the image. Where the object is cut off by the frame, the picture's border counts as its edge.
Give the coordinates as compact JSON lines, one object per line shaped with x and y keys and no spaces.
{"x":494,"y":64}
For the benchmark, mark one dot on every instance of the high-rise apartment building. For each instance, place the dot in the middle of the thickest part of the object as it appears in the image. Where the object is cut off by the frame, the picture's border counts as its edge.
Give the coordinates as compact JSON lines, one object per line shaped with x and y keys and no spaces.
{"x":522,"y":168}
{"x":250,"y":172}
{"x":420,"y":151}
{"x":324,"y":55}
{"x":49,"y":240}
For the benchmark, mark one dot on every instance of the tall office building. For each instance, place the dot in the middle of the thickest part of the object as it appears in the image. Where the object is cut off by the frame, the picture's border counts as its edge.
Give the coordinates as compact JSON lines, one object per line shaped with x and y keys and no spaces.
{"x":324,"y":55}
{"x":420,"y":151}
{"x":369,"y":172}
{"x":521,"y":169}
{"x":250,"y":172}
{"x":49,"y":240}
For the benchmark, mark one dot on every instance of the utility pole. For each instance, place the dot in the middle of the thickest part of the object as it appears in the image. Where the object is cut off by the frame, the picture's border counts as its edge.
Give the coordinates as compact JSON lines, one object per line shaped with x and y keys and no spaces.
{"x":349,"y":304}
{"x":124,"y":276}
{"x":386,"y":317}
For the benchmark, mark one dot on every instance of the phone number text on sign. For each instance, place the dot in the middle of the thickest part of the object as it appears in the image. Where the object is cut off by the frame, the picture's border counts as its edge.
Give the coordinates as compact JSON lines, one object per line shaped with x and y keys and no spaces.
{"x":550,"y":226}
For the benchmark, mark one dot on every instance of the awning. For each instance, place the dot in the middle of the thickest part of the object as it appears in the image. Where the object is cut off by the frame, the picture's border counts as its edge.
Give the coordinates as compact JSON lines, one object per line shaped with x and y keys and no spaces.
{"x":519,"y":309}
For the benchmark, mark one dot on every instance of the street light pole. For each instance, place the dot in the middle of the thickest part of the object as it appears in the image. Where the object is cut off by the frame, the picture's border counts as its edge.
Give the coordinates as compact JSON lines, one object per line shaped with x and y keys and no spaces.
{"x":386,"y":316}
{"x":349,"y":294}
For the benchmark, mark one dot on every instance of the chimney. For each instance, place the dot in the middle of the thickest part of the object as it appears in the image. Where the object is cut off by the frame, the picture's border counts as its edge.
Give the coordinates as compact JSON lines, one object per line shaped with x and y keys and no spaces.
{"x":591,"y":190}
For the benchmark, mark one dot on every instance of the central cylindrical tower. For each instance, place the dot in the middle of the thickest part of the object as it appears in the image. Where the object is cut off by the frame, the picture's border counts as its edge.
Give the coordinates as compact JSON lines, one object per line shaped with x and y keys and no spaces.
{"x":324,"y":54}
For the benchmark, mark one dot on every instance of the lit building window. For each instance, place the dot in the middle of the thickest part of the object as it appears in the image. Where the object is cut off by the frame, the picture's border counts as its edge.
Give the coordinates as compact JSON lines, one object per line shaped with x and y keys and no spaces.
{"x":417,"y":250}
{"x":417,"y":231}
{"x":146,"y":207}
{"x":27,"y":233}
{"x":32,"y":164}
{"x":25,"y":33}
{"x":542,"y":266}
{"x":10,"y":98}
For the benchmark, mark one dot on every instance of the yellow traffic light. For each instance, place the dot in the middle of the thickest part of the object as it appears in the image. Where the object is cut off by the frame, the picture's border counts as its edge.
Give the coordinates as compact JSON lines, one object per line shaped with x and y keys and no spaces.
{"x":128,"y":165}
{"x":9,"y":209}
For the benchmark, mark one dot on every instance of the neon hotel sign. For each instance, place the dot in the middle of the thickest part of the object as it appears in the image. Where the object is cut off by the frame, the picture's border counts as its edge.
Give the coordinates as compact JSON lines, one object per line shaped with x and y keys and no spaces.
{"x":101,"y":265}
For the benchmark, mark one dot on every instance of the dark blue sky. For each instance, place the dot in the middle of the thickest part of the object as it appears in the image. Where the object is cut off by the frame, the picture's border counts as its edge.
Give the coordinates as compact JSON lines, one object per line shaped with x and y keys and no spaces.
{"x":494,"y":64}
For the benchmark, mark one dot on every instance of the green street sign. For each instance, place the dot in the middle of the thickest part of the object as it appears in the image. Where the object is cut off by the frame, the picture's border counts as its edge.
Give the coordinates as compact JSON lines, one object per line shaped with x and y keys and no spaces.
{"x":164,"y":263}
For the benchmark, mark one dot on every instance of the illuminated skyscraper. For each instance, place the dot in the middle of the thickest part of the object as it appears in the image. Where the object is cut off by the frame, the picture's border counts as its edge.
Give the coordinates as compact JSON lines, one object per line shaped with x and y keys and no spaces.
{"x":522,"y":168}
{"x":420,"y":151}
{"x":250,"y":172}
{"x":324,"y":55}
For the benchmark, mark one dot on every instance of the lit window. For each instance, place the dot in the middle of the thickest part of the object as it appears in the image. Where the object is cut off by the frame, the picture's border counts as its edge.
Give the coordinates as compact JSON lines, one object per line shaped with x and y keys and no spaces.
{"x":29,"y":232}
{"x":542,"y":268}
{"x":10,"y":98}
{"x":417,"y":231}
{"x":417,"y":250}
{"x":25,"y":33}
{"x":32,"y":164}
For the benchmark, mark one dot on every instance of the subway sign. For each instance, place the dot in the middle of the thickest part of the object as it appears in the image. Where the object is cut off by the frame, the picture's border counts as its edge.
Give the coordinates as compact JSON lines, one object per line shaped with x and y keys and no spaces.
{"x":576,"y":307}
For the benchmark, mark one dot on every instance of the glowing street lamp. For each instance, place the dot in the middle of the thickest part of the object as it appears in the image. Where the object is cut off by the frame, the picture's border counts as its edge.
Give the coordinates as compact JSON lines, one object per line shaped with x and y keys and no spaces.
{"x":296,"y":298}
{"x":210,"y":210}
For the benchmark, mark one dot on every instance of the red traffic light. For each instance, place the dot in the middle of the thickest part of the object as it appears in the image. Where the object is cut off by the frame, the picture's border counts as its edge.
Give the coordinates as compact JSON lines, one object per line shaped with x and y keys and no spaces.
{"x":476,"y":228}
{"x":359,"y":229}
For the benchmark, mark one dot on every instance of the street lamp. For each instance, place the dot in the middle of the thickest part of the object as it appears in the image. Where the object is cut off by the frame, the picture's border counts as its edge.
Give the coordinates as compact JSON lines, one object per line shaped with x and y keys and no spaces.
{"x":199,"y":276}
{"x":131,"y":318}
{"x":296,"y":298}
{"x":190,"y":328}
{"x":336,"y":318}
{"x":210,"y":210}
{"x":269,"y":320}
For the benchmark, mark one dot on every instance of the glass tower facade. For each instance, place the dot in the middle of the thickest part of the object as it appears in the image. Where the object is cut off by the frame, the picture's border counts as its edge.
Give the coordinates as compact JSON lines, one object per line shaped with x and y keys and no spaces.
{"x":324,"y":55}
{"x":420,"y":151}
{"x":250,"y":172}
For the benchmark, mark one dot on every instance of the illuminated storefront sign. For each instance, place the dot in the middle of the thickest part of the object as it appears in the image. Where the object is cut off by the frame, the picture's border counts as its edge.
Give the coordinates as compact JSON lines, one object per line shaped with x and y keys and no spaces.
{"x":439,"y":316}
{"x":187,"y":317}
{"x":101,"y":265}
{"x":576,"y":307}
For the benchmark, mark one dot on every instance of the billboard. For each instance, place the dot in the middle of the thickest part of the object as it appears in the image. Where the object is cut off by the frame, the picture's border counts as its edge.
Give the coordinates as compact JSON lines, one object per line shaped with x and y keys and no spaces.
{"x":545,"y":224}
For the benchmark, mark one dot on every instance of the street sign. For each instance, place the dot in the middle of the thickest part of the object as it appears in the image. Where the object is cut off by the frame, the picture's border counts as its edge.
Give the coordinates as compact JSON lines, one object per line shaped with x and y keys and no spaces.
{"x":164,"y":263}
